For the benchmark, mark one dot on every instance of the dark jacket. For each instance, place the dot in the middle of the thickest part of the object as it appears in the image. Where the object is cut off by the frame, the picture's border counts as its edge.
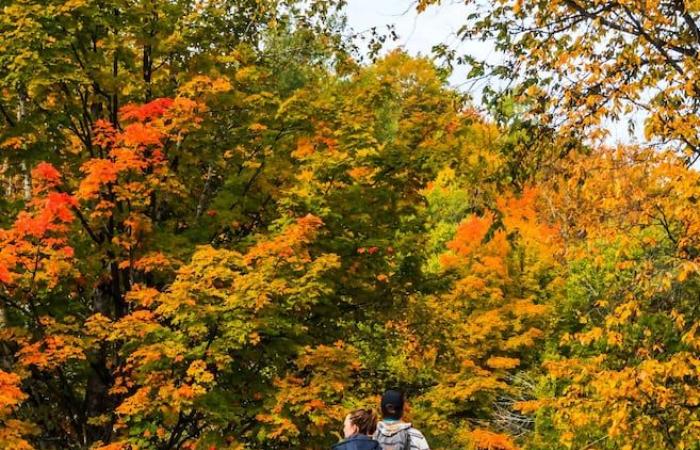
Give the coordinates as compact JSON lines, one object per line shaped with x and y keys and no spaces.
{"x":357,"y":442}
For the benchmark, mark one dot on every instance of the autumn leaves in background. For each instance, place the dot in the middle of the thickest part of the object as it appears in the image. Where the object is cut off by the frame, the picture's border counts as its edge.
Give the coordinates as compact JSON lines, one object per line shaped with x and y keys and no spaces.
{"x":220,"y":230}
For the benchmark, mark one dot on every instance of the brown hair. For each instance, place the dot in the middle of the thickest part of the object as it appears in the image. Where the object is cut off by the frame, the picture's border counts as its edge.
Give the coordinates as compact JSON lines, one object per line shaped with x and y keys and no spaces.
{"x":365,"y":420}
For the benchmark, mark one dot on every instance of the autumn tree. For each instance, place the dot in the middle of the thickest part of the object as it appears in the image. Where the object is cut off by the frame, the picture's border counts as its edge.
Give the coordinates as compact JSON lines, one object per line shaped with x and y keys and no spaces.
{"x":502,"y":279}
{"x":581,"y":63}
{"x":625,"y":374}
{"x":92,"y":357}
{"x":123,"y":200}
{"x":200,"y":358}
{"x":66,"y":65}
{"x":111,"y":337}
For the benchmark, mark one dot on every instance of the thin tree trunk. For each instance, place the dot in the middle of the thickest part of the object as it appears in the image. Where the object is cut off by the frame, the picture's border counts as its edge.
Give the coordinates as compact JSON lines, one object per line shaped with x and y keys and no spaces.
{"x":26,"y":174}
{"x":205,"y":190}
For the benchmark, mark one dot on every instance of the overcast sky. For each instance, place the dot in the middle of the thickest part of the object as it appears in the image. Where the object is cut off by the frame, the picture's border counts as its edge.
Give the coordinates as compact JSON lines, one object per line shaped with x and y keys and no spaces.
{"x":418,"y":33}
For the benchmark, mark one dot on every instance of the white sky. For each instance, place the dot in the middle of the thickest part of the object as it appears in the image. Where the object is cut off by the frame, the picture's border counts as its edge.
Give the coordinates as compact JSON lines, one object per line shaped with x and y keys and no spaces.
{"x":418,"y":33}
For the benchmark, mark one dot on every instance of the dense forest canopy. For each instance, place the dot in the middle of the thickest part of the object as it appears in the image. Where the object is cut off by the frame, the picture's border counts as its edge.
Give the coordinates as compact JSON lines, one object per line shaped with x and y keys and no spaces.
{"x":226,"y":223}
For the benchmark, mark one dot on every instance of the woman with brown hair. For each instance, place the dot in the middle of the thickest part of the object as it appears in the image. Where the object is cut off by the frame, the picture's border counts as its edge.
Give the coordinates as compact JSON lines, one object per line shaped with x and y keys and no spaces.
{"x":358,"y":428}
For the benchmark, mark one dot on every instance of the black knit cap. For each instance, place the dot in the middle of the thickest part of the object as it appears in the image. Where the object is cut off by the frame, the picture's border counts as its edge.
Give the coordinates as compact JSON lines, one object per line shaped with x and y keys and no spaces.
{"x":392,"y":404}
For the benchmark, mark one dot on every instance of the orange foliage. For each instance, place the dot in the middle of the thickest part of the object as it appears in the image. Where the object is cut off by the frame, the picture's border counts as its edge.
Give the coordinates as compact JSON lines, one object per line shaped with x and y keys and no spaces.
{"x":470,"y":234}
{"x":37,"y":240}
{"x":487,"y":440}
{"x":10,"y":393}
{"x":302,"y":232}
{"x":46,"y":175}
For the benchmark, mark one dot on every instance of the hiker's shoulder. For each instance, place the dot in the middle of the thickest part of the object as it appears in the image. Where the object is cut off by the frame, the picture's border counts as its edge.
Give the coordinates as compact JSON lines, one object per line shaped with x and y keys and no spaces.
{"x":415,"y":432}
{"x":345,"y":445}
{"x":418,"y":441}
{"x":362,"y":443}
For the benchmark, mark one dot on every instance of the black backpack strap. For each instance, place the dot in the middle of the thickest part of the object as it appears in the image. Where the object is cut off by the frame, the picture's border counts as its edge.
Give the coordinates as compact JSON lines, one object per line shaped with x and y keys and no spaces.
{"x":408,"y":439}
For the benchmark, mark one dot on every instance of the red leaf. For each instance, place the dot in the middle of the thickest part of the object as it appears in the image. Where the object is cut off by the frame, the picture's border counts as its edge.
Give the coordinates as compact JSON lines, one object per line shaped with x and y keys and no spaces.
{"x":149,"y":111}
{"x":46,"y":173}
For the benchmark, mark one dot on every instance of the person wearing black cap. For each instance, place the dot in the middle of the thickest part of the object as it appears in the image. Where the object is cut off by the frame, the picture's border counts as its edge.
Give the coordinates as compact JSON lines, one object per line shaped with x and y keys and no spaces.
{"x":393,"y":433}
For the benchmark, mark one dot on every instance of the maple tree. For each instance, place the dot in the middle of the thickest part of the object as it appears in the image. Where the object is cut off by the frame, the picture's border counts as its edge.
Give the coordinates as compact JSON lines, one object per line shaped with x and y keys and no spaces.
{"x":582,"y":64}
{"x":106,"y":347}
{"x":627,"y":371}
{"x":103,"y":321}
{"x":503,"y":279}
{"x":110,"y":213}
{"x":619,"y":369}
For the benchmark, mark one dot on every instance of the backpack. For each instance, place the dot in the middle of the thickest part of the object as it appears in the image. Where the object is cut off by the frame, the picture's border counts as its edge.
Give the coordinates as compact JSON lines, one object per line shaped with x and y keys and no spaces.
{"x":399,"y":441}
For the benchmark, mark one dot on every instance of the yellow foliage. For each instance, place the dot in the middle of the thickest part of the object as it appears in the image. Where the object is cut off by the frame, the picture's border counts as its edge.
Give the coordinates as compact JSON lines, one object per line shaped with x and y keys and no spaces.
{"x":497,"y":362}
